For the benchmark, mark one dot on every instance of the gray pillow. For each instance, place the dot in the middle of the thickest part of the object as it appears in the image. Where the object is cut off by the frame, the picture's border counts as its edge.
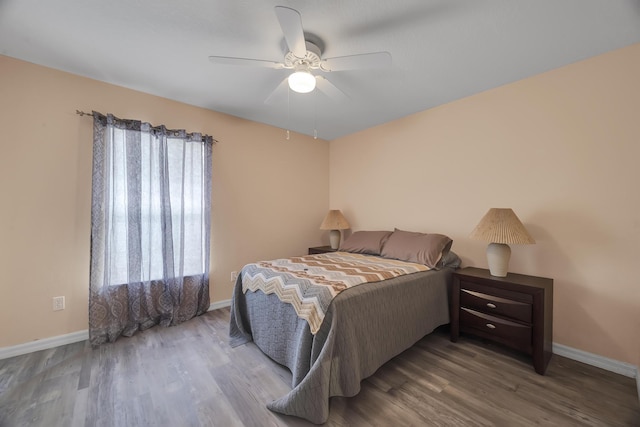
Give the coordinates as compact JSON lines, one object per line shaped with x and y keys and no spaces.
{"x":365,"y":242}
{"x":421,"y":248}
{"x":450,"y":260}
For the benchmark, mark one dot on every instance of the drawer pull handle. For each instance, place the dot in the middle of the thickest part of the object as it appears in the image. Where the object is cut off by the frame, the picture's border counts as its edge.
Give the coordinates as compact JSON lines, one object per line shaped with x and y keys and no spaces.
{"x":491,"y":326}
{"x":491,"y":305}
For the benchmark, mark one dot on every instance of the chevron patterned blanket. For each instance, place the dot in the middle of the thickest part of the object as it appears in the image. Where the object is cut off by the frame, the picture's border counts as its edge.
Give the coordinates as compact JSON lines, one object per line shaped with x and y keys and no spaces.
{"x":309,"y":283}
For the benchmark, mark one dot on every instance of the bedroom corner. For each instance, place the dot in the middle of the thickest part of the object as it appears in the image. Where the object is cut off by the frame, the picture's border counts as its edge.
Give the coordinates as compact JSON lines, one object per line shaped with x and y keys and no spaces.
{"x":46,"y":184}
{"x":560,"y":148}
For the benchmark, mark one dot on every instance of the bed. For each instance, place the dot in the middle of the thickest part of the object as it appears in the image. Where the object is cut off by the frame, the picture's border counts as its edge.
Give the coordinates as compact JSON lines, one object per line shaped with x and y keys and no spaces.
{"x":363,"y":325}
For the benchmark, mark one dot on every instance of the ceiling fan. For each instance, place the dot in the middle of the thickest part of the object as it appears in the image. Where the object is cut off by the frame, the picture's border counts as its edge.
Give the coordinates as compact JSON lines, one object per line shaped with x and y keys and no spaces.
{"x":304,"y":57}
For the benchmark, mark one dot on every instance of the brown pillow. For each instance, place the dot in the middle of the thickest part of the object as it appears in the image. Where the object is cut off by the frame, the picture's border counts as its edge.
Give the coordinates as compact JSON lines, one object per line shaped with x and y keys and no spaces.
{"x":420,"y":248}
{"x":365,"y":242}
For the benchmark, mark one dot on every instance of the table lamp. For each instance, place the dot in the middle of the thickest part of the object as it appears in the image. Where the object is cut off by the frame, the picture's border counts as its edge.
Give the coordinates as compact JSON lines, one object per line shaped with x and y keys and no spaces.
{"x":500,"y":227}
{"x":335,"y":222}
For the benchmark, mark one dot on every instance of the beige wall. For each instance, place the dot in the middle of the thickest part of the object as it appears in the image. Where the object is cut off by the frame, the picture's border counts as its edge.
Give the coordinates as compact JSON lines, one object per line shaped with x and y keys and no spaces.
{"x":562,"y":149}
{"x":269,"y":194}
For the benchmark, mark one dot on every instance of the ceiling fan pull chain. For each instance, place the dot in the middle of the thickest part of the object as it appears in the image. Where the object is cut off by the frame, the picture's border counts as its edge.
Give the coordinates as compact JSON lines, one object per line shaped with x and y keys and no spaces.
{"x":315,"y":115}
{"x":288,"y":112}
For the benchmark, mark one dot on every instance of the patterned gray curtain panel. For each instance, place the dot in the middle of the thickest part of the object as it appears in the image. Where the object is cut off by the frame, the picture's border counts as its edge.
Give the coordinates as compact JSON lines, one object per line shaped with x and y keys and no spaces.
{"x":150,"y":225}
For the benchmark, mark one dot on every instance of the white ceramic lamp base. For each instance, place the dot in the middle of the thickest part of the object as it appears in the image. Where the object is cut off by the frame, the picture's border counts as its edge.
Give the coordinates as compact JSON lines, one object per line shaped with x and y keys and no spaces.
{"x":498,"y":255}
{"x":334,"y":239}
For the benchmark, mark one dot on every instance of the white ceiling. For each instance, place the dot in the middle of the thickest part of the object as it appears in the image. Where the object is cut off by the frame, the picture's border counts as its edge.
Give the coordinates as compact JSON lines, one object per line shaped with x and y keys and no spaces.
{"x":442,"y":50}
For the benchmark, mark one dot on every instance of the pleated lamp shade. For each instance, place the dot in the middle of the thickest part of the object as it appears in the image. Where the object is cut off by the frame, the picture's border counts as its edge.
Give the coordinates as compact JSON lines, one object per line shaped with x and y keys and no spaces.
{"x":500,"y":227}
{"x":334,"y":221}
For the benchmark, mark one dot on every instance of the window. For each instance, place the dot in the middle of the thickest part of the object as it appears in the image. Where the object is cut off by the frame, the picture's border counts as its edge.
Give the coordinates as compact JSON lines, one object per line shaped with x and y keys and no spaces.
{"x":178,"y":208}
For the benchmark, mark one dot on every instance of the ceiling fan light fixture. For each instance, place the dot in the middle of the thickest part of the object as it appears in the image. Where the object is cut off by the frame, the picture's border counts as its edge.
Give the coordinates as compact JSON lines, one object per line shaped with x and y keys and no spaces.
{"x":302,"y":82}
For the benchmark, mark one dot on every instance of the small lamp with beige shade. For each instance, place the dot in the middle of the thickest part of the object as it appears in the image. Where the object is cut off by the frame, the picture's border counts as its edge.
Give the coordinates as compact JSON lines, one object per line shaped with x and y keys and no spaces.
{"x":335,"y":222}
{"x":500,"y":227}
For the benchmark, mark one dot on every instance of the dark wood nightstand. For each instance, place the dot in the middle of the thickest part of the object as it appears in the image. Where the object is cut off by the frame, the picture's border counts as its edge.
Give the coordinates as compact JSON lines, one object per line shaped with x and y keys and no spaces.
{"x":321,"y":250}
{"x":516,"y":311}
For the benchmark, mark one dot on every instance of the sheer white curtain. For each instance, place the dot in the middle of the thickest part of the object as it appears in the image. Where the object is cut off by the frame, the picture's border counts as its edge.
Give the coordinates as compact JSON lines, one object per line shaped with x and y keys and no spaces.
{"x":150,"y":222}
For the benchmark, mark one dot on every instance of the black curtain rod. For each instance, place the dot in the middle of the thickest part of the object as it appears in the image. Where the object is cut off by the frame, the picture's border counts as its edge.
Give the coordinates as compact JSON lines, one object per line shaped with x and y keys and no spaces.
{"x":82,"y":113}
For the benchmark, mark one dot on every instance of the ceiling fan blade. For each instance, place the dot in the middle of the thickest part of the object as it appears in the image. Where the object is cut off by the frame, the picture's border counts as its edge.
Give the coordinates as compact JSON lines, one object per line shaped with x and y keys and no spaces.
{"x":329,"y":89}
{"x":356,"y":62}
{"x":244,"y":62}
{"x":279,"y":94}
{"x":291,"y":24}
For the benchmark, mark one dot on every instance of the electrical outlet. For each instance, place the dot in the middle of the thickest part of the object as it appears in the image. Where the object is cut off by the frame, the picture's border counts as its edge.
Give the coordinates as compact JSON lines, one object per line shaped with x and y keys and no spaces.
{"x":234,"y":276}
{"x":58,"y":303}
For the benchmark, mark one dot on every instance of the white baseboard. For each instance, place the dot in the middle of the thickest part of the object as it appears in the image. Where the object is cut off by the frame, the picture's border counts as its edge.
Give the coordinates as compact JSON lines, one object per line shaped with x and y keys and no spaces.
{"x":220,"y":304}
{"x":622,"y":368}
{"x":52,"y":342}
{"x":43,"y":344}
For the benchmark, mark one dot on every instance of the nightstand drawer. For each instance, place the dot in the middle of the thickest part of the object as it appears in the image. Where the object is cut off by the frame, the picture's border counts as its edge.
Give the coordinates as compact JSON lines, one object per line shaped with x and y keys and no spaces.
{"x":498,"y":292}
{"x":321,"y":250}
{"x":514,"y":334}
{"x":495,"y":305}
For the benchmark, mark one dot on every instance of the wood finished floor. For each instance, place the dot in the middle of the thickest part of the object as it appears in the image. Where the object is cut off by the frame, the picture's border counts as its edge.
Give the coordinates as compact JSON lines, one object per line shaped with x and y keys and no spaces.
{"x":189,"y":376}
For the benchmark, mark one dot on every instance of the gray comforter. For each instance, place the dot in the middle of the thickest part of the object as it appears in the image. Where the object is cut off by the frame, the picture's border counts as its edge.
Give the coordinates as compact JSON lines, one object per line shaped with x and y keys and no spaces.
{"x":364,"y":327}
